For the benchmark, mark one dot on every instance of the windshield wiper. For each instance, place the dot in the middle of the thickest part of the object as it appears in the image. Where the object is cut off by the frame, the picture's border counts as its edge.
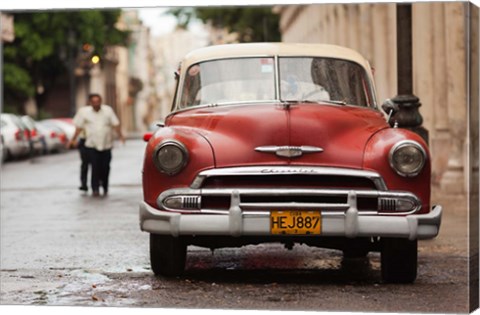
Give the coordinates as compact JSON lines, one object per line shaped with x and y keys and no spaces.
{"x":327,"y":101}
{"x":289,"y":102}
{"x":296,"y":101}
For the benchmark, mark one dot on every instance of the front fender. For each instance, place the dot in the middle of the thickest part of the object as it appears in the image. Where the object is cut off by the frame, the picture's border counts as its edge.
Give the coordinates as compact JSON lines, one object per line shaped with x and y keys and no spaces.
{"x":376,"y":159}
{"x":200,"y":158}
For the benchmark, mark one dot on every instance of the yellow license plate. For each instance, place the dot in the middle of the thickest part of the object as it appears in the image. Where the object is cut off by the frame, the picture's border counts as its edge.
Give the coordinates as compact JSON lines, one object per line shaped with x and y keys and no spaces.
{"x":296,"y":222}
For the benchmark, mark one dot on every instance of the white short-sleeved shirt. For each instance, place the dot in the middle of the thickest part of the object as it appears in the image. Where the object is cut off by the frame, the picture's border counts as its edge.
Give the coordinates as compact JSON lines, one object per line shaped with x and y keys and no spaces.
{"x":97,"y":126}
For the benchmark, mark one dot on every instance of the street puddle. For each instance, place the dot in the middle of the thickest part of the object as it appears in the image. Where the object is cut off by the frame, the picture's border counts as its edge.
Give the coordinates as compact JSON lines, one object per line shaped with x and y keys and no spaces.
{"x":90,"y":287}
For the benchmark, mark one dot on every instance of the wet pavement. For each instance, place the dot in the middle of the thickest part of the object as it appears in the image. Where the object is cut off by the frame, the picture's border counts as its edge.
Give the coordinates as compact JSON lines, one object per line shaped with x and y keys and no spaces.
{"x":62,"y":247}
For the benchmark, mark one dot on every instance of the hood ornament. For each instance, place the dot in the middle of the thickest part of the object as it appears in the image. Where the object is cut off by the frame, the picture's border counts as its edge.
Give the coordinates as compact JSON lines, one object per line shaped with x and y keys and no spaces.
{"x":289,"y":151}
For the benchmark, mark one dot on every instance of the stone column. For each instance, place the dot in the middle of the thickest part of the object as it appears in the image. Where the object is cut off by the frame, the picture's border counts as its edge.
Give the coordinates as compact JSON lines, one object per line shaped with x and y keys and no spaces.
{"x":453,"y":181}
{"x":353,"y":26}
{"x":440,"y":142}
{"x":330,"y":27}
{"x":422,"y":46}
{"x":323,"y":24}
{"x":381,"y":50}
{"x":474,"y":97}
{"x":392,"y":53}
{"x":474,"y":184}
{"x":366,"y":40}
{"x":341,"y":26}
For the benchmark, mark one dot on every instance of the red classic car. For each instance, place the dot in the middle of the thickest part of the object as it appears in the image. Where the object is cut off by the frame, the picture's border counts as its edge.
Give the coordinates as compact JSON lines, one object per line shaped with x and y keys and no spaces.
{"x":284,"y":143}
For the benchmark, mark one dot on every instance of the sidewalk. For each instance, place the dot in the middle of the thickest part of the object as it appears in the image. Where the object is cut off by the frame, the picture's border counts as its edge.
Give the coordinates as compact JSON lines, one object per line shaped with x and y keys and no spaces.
{"x":454,"y":235}
{"x":134,"y":135}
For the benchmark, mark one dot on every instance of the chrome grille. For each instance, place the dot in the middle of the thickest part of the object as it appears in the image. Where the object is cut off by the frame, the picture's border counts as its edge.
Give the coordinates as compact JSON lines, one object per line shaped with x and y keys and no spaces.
{"x":290,"y":181}
{"x":263,"y":189}
{"x":191,"y":202}
{"x":388,"y":204}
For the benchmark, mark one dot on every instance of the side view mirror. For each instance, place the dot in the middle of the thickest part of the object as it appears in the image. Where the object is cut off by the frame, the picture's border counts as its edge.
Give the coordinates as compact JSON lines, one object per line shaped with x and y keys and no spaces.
{"x":390,"y":107}
{"x":153,"y":127}
{"x":147,"y":136}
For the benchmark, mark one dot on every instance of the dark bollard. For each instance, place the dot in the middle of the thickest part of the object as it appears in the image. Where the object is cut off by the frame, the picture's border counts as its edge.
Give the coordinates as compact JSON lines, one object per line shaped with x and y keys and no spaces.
{"x":404,"y":113}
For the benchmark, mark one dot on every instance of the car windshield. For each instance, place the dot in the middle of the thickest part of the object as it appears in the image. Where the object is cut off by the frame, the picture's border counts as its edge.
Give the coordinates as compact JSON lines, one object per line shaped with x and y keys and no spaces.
{"x":323,"y":79}
{"x":230,"y":80}
{"x":250,"y":80}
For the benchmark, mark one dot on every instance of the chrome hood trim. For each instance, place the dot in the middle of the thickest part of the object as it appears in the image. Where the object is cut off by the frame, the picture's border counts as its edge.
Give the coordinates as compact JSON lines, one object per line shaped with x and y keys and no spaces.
{"x":288,"y":170}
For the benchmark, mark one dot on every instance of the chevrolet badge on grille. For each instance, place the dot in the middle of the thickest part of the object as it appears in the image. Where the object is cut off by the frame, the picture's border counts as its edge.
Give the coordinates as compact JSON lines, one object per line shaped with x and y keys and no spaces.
{"x":288,"y":151}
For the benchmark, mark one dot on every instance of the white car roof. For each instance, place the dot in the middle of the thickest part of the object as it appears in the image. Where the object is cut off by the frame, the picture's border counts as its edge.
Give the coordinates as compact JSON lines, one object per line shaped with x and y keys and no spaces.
{"x":273,"y":49}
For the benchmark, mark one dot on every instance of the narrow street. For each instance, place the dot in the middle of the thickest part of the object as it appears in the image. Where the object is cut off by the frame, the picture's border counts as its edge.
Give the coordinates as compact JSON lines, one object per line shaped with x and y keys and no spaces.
{"x":61,"y":247}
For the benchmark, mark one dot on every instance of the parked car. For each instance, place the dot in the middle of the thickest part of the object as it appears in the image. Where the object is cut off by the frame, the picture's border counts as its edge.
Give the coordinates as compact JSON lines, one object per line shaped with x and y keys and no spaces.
{"x":3,"y":152}
{"x":284,"y":143}
{"x":55,"y":138}
{"x":37,"y":141}
{"x":15,"y":136}
{"x":65,"y":124}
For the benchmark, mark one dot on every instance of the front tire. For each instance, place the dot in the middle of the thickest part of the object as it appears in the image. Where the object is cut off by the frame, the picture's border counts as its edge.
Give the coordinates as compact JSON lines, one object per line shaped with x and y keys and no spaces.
{"x":399,"y":260}
{"x":167,"y":255}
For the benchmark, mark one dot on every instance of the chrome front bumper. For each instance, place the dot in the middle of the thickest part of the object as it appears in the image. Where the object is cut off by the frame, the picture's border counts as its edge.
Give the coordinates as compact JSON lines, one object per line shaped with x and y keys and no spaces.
{"x":236,"y":222}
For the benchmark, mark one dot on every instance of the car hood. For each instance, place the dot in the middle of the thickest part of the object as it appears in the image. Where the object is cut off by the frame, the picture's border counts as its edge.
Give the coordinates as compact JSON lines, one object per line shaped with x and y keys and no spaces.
{"x":239,"y":134}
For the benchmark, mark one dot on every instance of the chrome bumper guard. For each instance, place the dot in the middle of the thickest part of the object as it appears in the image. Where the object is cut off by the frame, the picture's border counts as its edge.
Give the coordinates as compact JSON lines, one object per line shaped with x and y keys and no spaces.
{"x":237,"y":222}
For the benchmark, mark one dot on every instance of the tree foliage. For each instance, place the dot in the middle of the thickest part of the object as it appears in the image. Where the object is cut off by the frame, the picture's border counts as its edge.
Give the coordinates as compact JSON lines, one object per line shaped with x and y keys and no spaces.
{"x":252,"y":23}
{"x":43,"y":43}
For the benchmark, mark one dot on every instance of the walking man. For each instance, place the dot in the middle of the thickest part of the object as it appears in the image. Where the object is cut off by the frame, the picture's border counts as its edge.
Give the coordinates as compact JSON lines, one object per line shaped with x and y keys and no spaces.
{"x":98,"y":121}
{"x":84,"y":162}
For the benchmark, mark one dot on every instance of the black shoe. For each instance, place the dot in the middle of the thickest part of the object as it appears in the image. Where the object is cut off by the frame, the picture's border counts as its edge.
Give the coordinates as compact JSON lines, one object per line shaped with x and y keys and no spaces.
{"x":83,"y":188}
{"x":95,"y":193}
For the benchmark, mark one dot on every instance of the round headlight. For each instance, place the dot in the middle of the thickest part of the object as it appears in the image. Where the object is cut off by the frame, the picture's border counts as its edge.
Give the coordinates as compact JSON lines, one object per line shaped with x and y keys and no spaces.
{"x":170,"y":157}
{"x":407,"y":158}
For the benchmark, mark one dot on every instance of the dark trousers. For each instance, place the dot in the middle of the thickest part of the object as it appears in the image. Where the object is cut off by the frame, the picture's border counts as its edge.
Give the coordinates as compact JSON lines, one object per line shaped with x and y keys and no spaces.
{"x":84,"y":162}
{"x":100,"y":161}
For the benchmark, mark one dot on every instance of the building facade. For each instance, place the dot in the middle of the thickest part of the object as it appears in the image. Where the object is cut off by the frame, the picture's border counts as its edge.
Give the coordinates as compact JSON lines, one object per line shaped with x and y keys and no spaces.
{"x":125,"y":76}
{"x":6,"y":28}
{"x":439,"y":44}
{"x":7,"y":34}
{"x":170,"y":50}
